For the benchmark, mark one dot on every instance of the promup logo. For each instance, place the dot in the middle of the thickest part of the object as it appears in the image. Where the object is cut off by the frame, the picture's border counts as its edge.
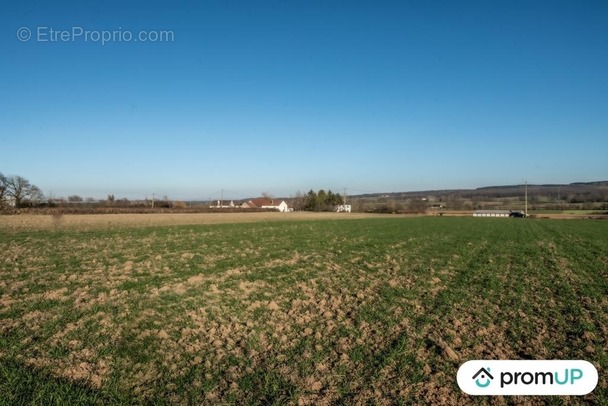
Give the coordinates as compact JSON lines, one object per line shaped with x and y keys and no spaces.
{"x":527,"y":377}
{"x":483,"y":374}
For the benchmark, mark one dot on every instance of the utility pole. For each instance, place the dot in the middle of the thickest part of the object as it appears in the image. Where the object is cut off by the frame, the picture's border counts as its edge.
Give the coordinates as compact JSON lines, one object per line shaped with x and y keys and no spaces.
{"x":526,"y":198}
{"x":222,"y":199}
{"x":152,"y":200}
{"x":344,"y":198}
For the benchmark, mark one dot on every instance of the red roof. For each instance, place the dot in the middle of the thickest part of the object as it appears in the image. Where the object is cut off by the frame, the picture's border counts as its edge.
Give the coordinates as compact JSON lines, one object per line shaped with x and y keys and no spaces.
{"x":263,"y":201}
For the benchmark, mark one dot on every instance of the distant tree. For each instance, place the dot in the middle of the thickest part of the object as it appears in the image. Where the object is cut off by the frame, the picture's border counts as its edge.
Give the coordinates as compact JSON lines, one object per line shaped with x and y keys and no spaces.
{"x":329,"y":201}
{"x":310,"y":201}
{"x":455,"y":203}
{"x":22,"y":191}
{"x":359,"y":206}
{"x":75,"y":199}
{"x":110,"y":200}
{"x":2,"y":189}
{"x":333,"y":199}
{"x":319,"y":201}
{"x":298,"y":201}
{"x":417,"y":206}
{"x":165,"y":203}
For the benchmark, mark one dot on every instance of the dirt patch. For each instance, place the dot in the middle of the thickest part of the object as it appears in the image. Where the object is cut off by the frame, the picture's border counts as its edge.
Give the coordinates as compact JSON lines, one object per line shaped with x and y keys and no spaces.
{"x":193,"y":280}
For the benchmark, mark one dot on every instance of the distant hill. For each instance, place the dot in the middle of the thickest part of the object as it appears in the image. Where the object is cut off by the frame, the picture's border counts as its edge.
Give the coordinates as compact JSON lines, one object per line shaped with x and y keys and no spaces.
{"x":584,"y":191}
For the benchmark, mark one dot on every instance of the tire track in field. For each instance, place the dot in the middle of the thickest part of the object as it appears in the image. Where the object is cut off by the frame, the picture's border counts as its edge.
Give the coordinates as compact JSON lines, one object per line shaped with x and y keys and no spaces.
{"x":425,"y":342}
{"x":582,"y":286}
{"x":469,"y":316}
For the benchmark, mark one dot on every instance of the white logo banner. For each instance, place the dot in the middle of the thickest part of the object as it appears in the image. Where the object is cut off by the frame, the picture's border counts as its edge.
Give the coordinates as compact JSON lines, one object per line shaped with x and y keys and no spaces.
{"x":574,"y":377}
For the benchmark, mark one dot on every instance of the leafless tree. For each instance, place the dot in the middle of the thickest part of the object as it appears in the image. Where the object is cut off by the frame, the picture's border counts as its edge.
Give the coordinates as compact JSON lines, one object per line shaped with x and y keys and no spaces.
{"x":298,"y":201}
{"x":75,"y":199}
{"x":2,"y":189}
{"x":21,"y":190}
{"x":417,"y":205}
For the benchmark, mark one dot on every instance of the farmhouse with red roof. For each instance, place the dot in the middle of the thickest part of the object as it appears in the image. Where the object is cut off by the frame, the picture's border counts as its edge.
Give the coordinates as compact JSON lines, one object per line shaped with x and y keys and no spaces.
{"x":267,"y":203}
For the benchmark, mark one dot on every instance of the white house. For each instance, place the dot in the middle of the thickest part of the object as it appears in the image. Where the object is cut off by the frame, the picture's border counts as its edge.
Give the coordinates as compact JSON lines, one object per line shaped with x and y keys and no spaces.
{"x":343,"y":208}
{"x":223,"y":205}
{"x":267,"y":203}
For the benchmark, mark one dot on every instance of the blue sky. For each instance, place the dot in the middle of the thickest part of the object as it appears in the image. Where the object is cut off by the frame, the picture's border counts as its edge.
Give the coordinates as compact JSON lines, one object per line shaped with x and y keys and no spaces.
{"x":281,"y":96}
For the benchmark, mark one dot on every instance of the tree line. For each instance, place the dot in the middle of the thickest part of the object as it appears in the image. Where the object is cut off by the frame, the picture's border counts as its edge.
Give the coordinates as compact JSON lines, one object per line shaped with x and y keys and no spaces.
{"x":19,"y":192}
{"x":317,"y":201}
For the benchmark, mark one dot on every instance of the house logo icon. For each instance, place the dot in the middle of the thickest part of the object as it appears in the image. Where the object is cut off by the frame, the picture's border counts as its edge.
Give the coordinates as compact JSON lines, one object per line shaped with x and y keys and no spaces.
{"x":484,"y":375}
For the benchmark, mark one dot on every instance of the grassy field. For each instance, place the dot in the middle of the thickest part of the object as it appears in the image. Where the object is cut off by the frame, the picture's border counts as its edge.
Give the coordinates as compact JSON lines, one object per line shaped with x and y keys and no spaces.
{"x":380,"y":310}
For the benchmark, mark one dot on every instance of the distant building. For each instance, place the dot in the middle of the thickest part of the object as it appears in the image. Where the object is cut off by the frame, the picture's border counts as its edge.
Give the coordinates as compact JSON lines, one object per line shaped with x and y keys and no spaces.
{"x":343,"y":208}
{"x":223,"y":205}
{"x":492,"y":213}
{"x":267,"y":203}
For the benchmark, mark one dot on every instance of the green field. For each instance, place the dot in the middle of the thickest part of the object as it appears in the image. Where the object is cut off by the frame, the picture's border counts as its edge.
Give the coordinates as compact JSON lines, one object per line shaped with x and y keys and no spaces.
{"x":334,"y":311}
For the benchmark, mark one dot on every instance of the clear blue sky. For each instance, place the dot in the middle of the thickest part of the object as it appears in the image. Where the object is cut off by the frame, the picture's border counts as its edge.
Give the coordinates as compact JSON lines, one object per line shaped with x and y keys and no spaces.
{"x":281,"y":96}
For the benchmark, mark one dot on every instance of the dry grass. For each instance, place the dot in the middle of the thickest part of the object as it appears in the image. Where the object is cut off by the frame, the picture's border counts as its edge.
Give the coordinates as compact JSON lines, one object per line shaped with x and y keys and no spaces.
{"x":95,"y":221}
